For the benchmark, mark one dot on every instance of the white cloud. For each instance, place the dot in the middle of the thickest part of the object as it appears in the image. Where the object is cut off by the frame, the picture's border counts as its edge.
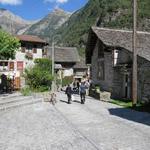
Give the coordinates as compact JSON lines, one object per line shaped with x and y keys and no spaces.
{"x":62,"y":1}
{"x":11,"y":2}
{"x":56,"y":1}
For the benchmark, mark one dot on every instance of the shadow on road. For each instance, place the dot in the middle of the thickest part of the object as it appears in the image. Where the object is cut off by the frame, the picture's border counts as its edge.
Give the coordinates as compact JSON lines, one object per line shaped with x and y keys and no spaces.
{"x":131,"y":115}
{"x":64,"y":101}
{"x":72,"y":101}
{"x":76,"y":101}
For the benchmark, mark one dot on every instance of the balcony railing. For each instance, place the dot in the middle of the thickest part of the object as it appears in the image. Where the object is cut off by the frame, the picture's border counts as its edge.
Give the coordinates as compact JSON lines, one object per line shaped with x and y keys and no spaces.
{"x":4,"y":68}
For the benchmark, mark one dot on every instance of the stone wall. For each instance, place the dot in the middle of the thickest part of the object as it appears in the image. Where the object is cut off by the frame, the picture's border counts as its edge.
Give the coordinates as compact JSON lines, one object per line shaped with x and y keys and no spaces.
{"x":124,"y":57}
{"x":117,"y":90}
{"x":105,"y":84}
{"x":114,"y":80}
{"x":143,"y":80}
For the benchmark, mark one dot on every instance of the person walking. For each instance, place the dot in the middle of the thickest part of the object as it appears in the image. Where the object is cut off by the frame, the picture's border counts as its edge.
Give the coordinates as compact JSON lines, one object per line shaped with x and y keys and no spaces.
{"x":82,"y":91}
{"x":87,"y":84}
{"x":69,"y":93}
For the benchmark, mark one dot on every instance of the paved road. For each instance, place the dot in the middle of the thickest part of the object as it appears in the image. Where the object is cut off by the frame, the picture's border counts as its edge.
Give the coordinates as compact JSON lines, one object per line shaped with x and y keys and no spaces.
{"x":93,"y":126}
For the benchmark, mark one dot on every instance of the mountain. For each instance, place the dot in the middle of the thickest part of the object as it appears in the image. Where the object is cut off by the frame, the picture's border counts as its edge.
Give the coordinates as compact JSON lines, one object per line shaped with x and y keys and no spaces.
{"x":46,"y":27}
{"x":72,"y":29}
{"x":103,"y":13}
{"x":13,"y":23}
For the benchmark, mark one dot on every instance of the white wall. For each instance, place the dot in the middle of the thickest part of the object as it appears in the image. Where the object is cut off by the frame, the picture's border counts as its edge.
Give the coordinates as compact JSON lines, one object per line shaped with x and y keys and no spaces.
{"x":68,"y":72}
{"x":28,"y":63}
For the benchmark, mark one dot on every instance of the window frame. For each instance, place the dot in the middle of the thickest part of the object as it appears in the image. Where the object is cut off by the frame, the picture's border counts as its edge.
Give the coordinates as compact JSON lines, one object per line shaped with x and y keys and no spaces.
{"x":34,"y":49}
{"x":115,"y":57}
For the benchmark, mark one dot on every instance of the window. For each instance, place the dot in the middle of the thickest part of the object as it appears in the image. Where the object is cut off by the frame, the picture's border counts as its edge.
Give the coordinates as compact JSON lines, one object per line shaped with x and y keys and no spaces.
{"x":35,"y":49}
{"x":44,"y":51}
{"x":29,"y":48}
{"x":20,"y":65}
{"x":11,"y":65}
{"x":3,"y":66}
{"x":23,"y":49}
{"x":101,"y":74}
{"x":115,"y":57}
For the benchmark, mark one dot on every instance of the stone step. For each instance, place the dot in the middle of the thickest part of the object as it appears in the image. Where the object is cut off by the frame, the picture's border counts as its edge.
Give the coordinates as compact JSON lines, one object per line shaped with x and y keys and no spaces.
{"x":20,"y":103}
{"x":9,"y":96}
{"x":14,"y":99}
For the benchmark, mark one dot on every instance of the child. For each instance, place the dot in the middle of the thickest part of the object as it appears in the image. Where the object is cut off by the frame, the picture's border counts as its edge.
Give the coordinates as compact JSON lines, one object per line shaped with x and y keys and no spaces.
{"x":53,"y":98}
{"x":69,"y":93}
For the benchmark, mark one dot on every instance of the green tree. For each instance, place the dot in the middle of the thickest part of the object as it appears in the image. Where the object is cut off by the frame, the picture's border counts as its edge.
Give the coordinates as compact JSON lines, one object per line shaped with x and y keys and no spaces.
{"x":39,"y":77}
{"x":8,"y":45}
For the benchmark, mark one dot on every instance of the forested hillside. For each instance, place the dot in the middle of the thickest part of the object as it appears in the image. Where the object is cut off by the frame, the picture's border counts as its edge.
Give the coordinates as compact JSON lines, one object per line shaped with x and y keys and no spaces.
{"x":103,"y":13}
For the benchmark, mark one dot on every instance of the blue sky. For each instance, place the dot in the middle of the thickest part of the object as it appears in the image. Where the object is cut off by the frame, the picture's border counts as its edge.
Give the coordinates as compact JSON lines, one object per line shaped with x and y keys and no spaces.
{"x":36,"y":9}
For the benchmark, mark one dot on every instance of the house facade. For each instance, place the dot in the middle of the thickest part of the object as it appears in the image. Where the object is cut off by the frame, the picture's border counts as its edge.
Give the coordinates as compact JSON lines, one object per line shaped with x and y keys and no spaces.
{"x":110,"y":54}
{"x":80,"y":70}
{"x":32,"y":47}
{"x":66,"y":57}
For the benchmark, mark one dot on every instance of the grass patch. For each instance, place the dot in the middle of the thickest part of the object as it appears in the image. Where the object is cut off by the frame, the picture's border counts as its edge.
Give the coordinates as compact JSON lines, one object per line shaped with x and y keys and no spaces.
{"x":123,"y":103}
{"x":128,"y":104}
{"x":26,"y":91}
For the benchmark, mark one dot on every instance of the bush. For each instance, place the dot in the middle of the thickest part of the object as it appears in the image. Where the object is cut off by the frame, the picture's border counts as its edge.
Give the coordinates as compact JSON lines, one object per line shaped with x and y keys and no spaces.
{"x":67,"y":80}
{"x":39,"y":77}
{"x":97,"y":88}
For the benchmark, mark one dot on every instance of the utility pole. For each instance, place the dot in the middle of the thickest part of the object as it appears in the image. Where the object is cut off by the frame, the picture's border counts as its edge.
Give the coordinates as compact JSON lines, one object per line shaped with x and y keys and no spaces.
{"x":53,"y":64}
{"x":134,"y":46}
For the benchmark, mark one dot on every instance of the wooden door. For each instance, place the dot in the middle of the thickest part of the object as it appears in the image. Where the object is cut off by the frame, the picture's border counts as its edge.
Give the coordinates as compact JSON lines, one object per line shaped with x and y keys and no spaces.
{"x":17,"y":83}
{"x":11,"y":65}
{"x":127,"y":86}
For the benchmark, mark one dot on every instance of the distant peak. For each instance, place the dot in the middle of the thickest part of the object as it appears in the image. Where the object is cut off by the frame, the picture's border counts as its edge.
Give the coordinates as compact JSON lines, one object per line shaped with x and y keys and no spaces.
{"x":57,"y":10}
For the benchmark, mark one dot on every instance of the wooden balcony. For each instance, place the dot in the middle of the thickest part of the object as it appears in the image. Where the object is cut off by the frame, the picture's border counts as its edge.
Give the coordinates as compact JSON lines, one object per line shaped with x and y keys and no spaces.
{"x":29,"y":55}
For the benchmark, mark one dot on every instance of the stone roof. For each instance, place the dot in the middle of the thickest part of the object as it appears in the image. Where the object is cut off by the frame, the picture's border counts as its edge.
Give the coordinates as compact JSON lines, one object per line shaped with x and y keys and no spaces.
{"x":120,"y":39}
{"x":65,"y":54}
{"x":30,"y":38}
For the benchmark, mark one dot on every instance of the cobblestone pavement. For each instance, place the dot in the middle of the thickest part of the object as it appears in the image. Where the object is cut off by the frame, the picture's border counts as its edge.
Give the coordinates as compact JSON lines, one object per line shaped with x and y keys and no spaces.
{"x":93,"y":126}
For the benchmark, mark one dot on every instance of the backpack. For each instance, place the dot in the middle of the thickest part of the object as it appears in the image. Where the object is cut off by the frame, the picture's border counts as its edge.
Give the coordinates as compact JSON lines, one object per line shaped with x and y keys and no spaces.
{"x":82,"y":89}
{"x":69,"y":91}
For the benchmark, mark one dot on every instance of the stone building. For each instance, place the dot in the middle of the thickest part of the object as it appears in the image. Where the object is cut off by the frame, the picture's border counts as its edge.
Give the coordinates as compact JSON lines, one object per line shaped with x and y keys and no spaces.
{"x":80,"y":70}
{"x":110,"y":54}
{"x":67,"y":57}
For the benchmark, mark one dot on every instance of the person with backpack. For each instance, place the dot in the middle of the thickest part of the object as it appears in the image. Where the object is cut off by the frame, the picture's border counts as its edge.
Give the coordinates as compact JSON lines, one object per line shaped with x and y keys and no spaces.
{"x":69,"y":93}
{"x":82,"y":91}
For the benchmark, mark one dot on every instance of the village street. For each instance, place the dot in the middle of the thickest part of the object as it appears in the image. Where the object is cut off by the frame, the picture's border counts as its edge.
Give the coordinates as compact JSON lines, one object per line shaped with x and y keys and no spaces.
{"x":94,"y":126}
